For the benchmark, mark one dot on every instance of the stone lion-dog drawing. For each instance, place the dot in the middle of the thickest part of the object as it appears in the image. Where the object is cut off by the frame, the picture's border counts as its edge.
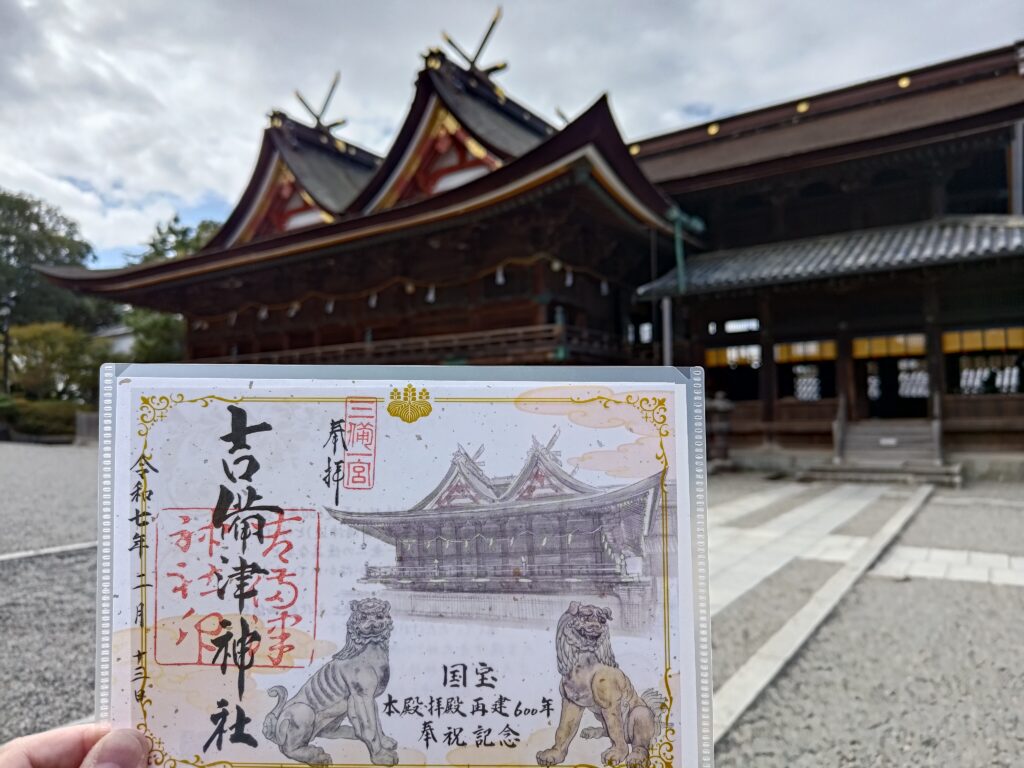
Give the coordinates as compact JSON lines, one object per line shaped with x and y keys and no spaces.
{"x":345,"y":688}
{"x":592,"y":680}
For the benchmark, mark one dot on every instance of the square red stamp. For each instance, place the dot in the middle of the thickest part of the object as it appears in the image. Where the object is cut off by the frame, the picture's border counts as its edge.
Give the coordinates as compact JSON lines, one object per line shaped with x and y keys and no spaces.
{"x":360,"y":443}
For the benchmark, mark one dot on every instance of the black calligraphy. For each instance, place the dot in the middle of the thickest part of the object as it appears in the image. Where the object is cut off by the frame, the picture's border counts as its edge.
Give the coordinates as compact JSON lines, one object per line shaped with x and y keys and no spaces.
{"x":436,"y":712}
{"x":238,"y":512}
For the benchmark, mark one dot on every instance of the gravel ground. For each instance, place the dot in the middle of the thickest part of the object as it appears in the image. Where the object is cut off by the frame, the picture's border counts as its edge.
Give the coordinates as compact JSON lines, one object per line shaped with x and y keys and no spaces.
{"x":47,"y":610}
{"x":1001,"y":491}
{"x":59,"y":510}
{"x":915,"y":673}
{"x":762,"y":516}
{"x":980,"y":528}
{"x":744,"y":626}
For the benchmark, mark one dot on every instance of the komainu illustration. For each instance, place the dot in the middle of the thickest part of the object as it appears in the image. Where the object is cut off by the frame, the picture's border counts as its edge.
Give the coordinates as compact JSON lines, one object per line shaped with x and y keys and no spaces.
{"x":592,"y":680}
{"x":344,"y":689}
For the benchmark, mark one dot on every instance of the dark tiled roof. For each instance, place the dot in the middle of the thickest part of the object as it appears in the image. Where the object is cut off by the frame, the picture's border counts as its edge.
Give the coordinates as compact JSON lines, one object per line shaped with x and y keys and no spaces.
{"x":950,"y":240}
{"x":331,"y":171}
{"x":941,"y":99}
{"x":604,"y":156}
{"x":502,"y":124}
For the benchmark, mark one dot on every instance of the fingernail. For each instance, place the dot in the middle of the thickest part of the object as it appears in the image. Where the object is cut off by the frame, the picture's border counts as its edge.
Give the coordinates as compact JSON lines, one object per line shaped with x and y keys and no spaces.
{"x":123,"y":748}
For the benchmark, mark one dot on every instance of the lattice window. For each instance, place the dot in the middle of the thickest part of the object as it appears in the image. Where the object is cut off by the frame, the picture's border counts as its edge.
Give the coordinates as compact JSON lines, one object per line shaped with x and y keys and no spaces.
{"x":990,"y":375}
{"x":806,"y":382}
{"x":913,"y":378}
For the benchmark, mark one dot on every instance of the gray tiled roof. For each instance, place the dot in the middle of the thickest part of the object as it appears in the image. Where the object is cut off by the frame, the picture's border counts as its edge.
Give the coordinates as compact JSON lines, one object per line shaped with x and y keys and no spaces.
{"x":949,"y":240}
{"x":332,"y":172}
{"x":501,"y":123}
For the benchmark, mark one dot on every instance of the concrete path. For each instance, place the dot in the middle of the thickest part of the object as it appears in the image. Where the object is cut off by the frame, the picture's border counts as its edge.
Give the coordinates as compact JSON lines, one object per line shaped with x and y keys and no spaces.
{"x":740,"y":559}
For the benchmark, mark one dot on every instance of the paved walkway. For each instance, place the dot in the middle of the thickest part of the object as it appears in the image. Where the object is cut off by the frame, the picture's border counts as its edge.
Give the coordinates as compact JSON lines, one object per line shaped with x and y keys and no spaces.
{"x":784,"y":555}
{"x":903,"y":562}
{"x":741,"y":558}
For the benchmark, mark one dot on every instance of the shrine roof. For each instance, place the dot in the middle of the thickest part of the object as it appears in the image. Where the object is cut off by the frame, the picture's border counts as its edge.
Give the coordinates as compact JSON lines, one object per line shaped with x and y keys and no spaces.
{"x":331,"y":171}
{"x":936,"y":242}
{"x":589,"y":152}
{"x":502,"y":125}
{"x":498,"y":121}
{"x":643,"y":491}
{"x":902,"y":109}
{"x":465,"y":483}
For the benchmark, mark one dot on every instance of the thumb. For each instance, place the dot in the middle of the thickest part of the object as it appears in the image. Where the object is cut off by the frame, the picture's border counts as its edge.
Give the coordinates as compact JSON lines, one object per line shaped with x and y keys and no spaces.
{"x":123,"y":748}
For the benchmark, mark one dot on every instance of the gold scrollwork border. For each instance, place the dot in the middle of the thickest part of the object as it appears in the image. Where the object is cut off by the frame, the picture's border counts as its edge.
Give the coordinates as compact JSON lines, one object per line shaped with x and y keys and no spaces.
{"x":154,"y":409}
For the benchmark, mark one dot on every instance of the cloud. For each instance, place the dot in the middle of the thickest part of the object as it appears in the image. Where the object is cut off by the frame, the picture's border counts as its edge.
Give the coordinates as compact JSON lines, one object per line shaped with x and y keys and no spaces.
{"x":157,"y":107}
{"x":638,"y":411}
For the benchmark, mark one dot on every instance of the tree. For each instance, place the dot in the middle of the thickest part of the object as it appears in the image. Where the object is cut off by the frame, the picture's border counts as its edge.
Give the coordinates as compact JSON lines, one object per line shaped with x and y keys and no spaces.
{"x":32,"y":234}
{"x":160,"y":336}
{"x":56,"y":361}
{"x":174,"y":239}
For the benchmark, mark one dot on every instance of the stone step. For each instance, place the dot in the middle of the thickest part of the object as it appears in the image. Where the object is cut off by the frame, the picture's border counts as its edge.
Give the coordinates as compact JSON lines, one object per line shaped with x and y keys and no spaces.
{"x":950,"y":475}
{"x":890,"y":443}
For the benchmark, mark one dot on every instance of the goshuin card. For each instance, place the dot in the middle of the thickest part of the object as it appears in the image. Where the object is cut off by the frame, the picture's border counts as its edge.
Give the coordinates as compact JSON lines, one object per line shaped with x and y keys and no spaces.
{"x":405,"y":566}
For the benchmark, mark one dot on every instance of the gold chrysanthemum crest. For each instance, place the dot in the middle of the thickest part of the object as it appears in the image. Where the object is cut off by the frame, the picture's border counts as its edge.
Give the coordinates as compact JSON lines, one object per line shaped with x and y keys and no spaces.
{"x":409,"y":404}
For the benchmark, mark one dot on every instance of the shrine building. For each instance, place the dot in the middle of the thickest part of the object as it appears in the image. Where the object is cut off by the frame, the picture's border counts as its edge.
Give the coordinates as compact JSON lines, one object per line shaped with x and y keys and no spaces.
{"x":862,"y":284}
{"x":541,"y":531}
{"x":848,"y":266}
{"x":484,"y":235}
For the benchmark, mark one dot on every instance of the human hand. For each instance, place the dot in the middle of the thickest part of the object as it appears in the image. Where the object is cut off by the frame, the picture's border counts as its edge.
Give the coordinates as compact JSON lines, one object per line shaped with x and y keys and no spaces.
{"x":77,"y":746}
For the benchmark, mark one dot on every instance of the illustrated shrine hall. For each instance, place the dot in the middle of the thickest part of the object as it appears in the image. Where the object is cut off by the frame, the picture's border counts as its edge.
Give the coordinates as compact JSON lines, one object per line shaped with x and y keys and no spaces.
{"x":848,"y":266}
{"x":538,"y":532}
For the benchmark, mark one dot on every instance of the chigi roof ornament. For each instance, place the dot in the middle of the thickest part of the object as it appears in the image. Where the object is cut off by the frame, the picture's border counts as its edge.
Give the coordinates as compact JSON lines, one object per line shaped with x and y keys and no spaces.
{"x":471,"y":61}
{"x":318,"y":115}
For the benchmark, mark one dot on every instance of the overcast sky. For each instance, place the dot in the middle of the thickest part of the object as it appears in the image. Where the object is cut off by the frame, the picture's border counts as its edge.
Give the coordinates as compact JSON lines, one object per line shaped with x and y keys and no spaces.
{"x":122,"y":113}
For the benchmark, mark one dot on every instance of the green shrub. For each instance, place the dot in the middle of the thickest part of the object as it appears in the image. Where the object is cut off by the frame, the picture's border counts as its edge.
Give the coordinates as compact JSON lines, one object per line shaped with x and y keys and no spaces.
{"x":54,"y":361}
{"x":41,"y":417}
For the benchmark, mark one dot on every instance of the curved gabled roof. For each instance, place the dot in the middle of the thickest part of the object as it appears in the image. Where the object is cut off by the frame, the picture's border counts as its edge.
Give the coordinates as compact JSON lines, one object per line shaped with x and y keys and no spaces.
{"x":589,"y":151}
{"x":330,"y":171}
{"x":542,"y":466}
{"x":501,"y":125}
{"x":464,"y":479}
{"x":639,"y":497}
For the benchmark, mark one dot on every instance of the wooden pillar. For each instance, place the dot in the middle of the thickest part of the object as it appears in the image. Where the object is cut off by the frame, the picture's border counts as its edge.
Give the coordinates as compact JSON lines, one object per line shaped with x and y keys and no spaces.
{"x":1016,"y":175}
{"x":506,"y":561}
{"x":415,"y":558}
{"x":654,"y":305}
{"x":933,"y":349}
{"x":697,"y":327}
{"x":768,"y":377}
{"x":478,"y":541}
{"x":530,"y":556}
{"x":563,"y":544}
{"x":846,"y":386}
{"x":666,"y":330}
{"x":440,"y":553}
{"x":938,"y":177}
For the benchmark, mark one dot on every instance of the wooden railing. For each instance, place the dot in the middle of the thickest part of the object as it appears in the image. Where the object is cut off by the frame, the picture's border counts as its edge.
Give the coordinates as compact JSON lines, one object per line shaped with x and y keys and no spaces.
{"x":498,"y":571}
{"x":535,"y":343}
